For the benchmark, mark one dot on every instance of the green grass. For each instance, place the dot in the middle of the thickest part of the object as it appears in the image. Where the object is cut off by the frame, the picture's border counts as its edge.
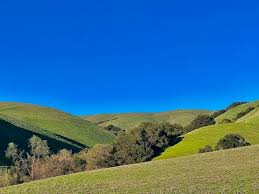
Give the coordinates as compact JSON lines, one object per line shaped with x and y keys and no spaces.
{"x":229,"y":171}
{"x":54,"y":123}
{"x":252,"y":117}
{"x":198,"y":138}
{"x":130,"y":120}
{"x":232,"y":113}
{"x":247,"y":126}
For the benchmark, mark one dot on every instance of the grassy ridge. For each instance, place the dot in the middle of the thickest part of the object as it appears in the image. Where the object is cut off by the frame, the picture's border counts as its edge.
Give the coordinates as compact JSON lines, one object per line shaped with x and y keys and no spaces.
{"x":56,"y":123}
{"x":232,"y":113}
{"x":252,"y":117}
{"x":130,"y":120}
{"x":229,"y":171}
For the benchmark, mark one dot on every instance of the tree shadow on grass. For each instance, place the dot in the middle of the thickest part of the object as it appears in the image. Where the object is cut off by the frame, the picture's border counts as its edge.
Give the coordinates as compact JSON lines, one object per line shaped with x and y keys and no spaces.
{"x":11,"y":133}
{"x":172,"y":143}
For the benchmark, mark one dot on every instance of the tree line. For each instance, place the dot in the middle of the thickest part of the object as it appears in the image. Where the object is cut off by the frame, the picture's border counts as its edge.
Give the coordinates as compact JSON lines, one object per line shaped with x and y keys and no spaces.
{"x":133,"y":146}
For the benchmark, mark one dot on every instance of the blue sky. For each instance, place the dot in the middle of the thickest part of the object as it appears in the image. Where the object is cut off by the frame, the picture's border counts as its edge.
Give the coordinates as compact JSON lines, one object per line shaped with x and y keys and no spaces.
{"x":129,"y":56}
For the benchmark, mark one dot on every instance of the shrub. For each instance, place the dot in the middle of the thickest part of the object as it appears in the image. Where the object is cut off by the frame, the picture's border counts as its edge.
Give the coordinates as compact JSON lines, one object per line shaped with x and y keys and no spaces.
{"x":226,"y":121}
{"x":234,"y":104}
{"x":100,"y":156}
{"x":200,"y":121}
{"x":207,"y":148}
{"x":218,"y":113}
{"x":231,"y":141}
{"x":112,"y":129}
{"x":58,"y":164}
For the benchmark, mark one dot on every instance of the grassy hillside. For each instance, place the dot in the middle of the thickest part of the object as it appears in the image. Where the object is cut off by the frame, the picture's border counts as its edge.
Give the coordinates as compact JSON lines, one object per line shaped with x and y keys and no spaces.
{"x":126,"y":121}
{"x":232,"y":113}
{"x":198,"y":138}
{"x":247,"y":126}
{"x":252,"y":117}
{"x":51,"y":124}
{"x":229,"y":171}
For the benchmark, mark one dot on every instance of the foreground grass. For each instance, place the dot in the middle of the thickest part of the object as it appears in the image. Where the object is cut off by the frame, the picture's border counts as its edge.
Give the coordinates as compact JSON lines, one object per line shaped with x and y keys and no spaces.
{"x":193,"y":141}
{"x":127,"y":121}
{"x":51,"y":122}
{"x":230,"y":171}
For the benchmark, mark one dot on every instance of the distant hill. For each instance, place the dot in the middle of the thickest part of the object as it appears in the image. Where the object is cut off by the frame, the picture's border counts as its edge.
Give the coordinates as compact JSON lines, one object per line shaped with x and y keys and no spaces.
{"x":228,"y":171}
{"x":130,"y":120}
{"x":19,"y":121}
{"x":247,"y":126}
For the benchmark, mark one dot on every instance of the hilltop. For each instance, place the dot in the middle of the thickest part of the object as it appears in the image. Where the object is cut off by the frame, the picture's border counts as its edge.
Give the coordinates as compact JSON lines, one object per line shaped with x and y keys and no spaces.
{"x":130,"y":120}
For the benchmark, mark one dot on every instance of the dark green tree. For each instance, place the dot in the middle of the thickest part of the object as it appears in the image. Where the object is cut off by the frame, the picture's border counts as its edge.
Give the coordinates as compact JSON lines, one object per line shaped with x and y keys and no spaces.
{"x":231,"y":141}
{"x":200,"y":121}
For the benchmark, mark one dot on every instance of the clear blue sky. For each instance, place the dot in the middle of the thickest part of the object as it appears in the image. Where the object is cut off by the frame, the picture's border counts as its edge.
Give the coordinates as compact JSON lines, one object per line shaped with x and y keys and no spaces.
{"x":128,"y":56}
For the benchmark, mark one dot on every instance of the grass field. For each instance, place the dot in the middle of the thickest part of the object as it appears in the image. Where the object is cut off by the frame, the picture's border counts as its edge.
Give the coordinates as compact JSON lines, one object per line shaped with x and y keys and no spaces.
{"x":228,"y":171}
{"x":130,"y":120}
{"x":56,"y":122}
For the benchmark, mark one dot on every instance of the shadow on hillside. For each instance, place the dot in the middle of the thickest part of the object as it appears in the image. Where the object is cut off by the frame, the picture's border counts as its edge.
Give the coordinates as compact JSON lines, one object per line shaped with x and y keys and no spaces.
{"x":172,"y":143}
{"x":72,"y":141}
{"x":20,"y":136}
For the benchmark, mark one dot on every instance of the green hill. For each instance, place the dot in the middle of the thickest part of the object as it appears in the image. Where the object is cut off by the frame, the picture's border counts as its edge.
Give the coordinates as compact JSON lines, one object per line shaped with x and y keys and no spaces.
{"x":228,"y":171}
{"x":252,"y":117}
{"x":247,"y":126}
{"x":20,"y":121}
{"x":198,"y":138}
{"x":232,"y":113}
{"x":130,"y":120}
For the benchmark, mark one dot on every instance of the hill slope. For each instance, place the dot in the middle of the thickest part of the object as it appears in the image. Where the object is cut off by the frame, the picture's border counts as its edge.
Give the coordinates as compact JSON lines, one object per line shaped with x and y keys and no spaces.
{"x":232,"y":113}
{"x":130,"y":120}
{"x":247,"y":126}
{"x":229,"y":171}
{"x":51,"y":123}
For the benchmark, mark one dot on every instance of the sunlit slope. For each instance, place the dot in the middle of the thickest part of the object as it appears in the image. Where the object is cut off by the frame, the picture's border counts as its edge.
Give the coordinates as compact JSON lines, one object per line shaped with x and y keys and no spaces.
{"x":126,"y":121}
{"x":198,"y":138}
{"x":232,"y":113}
{"x":252,"y":117}
{"x":52,"y":121}
{"x":228,"y":171}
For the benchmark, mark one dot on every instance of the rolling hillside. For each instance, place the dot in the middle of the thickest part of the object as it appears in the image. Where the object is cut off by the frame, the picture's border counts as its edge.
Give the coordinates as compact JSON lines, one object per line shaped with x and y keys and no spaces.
{"x":18,"y":122}
{"x":130,"y":120}
{"x":232,"y":113}
{"x":228,"y":171}
{"x":247,"y":126}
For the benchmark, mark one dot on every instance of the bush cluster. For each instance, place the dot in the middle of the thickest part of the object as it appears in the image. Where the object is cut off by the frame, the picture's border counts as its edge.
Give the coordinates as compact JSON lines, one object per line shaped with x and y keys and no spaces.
{"x":227,"y":142}
{"x":200,"y":121}
{"x":137,"y":145}
{"x":234,"y":104}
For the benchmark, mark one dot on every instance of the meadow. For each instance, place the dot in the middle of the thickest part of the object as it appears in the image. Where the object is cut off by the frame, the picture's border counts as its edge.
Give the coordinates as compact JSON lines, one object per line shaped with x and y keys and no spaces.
{"x":228,"y":171}
{"x":57,"y":123}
